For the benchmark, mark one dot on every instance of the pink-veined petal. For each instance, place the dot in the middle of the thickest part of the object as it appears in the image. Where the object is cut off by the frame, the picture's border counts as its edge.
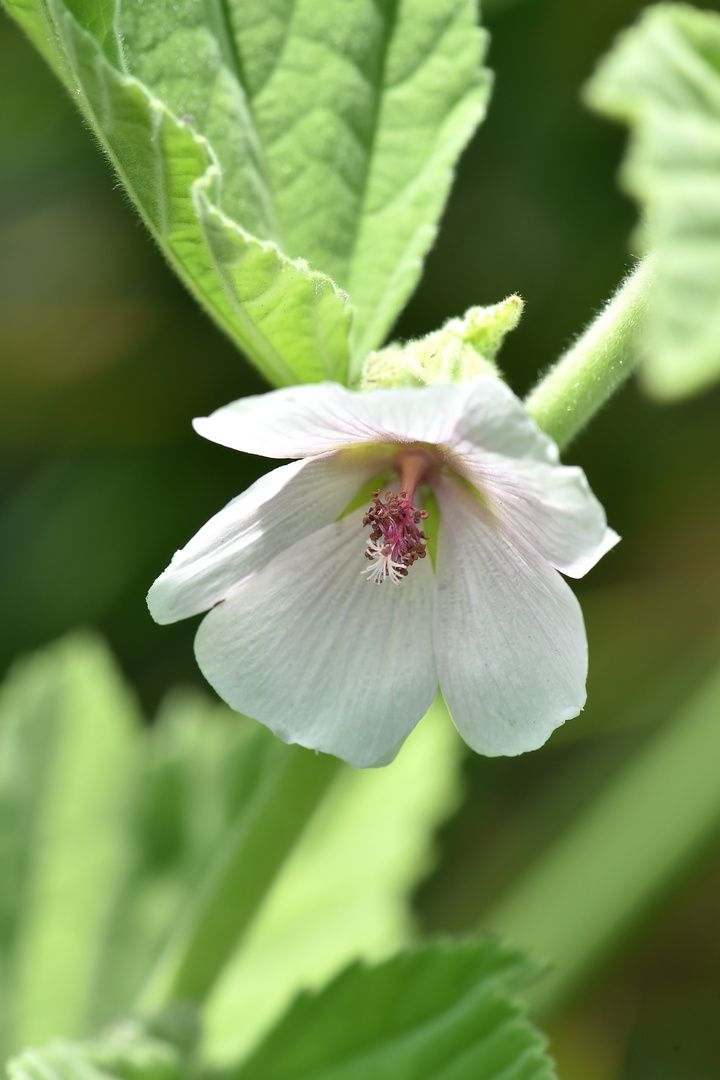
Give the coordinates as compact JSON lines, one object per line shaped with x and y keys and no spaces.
{"x":280,"y":508}
{"x":319,"y":654}
{"x":550,"y":507}
{"x":509,"y":638}
{"x":302,"y":420}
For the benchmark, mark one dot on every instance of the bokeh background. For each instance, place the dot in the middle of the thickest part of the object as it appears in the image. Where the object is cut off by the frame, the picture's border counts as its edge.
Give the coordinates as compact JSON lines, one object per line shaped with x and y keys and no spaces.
{"x":104,"y":360}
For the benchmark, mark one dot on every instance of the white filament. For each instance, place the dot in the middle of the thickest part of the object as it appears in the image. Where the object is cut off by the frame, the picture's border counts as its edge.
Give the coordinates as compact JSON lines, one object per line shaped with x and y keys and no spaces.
{"x":382,"y":565}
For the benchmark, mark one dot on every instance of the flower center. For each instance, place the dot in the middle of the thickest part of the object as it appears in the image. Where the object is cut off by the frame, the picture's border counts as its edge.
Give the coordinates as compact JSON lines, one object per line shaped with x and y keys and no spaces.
{"x":396,"y":541}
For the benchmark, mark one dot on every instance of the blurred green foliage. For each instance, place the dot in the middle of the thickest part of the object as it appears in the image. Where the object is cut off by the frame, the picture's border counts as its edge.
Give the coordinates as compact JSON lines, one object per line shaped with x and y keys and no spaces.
{"x":439,"y":1009}
{"x":133,"y":859}
{"x":662,"y":78}
{"x":104,"y":360}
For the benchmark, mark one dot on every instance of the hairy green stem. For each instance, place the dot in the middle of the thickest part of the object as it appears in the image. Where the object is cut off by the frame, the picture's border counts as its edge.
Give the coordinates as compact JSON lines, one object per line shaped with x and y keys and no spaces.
{"x":595,"y":366}
{"x":227,"y":901}
{"x":631,"y":844}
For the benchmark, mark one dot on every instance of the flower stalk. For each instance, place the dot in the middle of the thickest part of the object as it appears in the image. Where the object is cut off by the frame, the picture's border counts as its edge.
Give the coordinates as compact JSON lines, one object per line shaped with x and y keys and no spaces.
{"x":596,"y":365}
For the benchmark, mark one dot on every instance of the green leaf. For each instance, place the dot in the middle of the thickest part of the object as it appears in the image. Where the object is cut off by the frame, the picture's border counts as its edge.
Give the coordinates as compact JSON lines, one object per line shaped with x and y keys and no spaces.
{"x":662,"y":78}
{"x":283,"y":156}
{"x":346,"y":120}
{"x":274,"y":300}
{"x":344,"y":891}
{"x":439,"y":1012}
{"x":67,"y":727}
{"x":172,"y":174}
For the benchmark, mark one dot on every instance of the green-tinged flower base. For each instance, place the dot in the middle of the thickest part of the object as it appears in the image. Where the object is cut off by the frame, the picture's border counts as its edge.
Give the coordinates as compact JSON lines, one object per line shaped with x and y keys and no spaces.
{"x":460,"y":350}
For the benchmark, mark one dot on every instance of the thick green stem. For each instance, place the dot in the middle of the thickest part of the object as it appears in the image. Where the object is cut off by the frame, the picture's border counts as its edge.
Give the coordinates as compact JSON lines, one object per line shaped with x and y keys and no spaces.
{"x":596,"y":364}
{"x":228,"y":900}
{"x":629,"y":846}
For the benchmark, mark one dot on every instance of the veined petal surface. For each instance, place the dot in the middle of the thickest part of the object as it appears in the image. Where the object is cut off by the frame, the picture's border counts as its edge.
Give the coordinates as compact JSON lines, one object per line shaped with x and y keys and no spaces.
{"x":494,"y":421}
{"x":508,"y":633}
{"x":550,"y":507}
{"x":313,"y":419}
{"x":311,"y":648}
{"x":280,"y":508}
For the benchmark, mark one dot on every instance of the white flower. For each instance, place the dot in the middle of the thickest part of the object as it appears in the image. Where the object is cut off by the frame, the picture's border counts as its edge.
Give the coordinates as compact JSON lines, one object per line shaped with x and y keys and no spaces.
{"x":298,"y":638}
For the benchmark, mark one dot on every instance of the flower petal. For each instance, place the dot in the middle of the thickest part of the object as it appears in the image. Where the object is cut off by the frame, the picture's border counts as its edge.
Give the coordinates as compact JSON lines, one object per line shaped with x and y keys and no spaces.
{"x":304,"y":420}
{"x":509,"y":638}
{"x":549,"y":507}
{"x":494,"y":421}
{"x":322,"y":656}
{"x":280,"y":508}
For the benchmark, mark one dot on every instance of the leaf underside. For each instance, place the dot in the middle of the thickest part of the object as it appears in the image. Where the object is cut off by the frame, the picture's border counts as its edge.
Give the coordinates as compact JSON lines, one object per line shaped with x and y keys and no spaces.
{"x":286,"y":156}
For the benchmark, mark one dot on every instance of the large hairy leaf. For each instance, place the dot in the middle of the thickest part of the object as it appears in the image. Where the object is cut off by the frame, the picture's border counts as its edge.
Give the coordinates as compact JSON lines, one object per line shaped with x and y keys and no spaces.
{"x":439,"y":1012}
{"x":662,"y":78}
{"x":284,"y":155}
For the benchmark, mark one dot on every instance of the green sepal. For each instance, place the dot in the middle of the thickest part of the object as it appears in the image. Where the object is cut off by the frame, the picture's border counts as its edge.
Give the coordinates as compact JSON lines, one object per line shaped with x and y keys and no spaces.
{"x":463,"y":348}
